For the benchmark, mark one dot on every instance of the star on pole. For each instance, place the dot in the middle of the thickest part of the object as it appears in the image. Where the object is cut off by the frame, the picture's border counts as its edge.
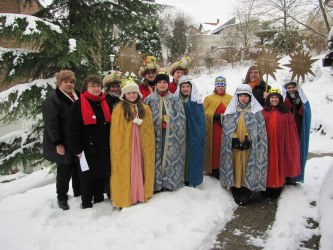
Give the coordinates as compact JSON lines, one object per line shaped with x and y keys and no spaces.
{"x":129,"y":59}
{"x":268,"y":63}
{"x":300,"y":64}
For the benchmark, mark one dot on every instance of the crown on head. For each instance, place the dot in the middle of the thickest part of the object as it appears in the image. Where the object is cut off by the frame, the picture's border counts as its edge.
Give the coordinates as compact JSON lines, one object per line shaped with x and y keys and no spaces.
{"x":274,"y":90}
{"x":162,"y":71}
{"x":126,"y":81}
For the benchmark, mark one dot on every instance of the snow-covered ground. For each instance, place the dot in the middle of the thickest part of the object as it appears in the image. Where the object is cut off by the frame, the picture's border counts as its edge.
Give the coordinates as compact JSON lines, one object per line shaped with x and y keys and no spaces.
{"x":186,"y":219}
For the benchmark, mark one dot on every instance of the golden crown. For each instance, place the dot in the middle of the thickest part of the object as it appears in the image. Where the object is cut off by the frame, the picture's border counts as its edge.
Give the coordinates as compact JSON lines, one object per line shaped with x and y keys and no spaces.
{"x":274,"y":90}
{"x":126,"y":81}
{"x":162,"y":71}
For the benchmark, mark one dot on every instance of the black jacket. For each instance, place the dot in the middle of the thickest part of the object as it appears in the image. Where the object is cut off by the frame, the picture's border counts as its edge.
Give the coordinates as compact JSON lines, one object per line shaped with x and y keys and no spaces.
{"x":258,"y":92}
{"x":93,"y":139}
{"x":55,"y":110}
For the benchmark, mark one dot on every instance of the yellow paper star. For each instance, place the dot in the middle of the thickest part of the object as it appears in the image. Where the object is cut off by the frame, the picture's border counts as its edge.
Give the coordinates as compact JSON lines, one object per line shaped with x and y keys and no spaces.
{"x":268,"y":62}
{"x":300,"y":64}
{"x":129,"y":59}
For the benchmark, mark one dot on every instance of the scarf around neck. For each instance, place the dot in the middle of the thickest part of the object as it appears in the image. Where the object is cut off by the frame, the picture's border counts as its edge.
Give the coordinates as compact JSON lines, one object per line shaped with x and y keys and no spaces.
{"x":88,"y":114}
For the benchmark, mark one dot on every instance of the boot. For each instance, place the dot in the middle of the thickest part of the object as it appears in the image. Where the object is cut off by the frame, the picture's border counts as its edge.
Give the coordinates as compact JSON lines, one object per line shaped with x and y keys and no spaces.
{"x":63,"y":205}
{"x":245,"y":197}
{"x":236,"y":194}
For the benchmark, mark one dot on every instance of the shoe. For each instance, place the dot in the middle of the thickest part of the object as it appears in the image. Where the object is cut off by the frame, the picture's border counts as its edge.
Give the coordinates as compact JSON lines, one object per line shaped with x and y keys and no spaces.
{"x":63,"y":205}
{"x":77,"y":194}
{"x":88,"y":205}
{"x":245,"y":196}
{"x":290,"y":182}
{"x":98,"y":200}
{"x":236,"y":194}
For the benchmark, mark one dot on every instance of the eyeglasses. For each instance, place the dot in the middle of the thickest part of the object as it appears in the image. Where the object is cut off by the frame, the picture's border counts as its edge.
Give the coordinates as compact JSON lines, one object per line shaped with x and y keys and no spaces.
{"x":94,"y":85}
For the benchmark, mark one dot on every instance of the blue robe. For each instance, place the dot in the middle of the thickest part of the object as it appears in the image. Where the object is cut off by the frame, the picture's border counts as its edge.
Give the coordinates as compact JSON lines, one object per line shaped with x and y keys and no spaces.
{"x":304,"y":140}
{"x":256,"y":167}
{"x":169,"y":162}
{"x":196,"y":129}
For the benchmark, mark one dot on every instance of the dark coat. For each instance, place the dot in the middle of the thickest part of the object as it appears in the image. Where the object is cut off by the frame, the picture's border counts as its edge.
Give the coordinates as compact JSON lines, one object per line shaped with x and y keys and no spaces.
{"x":55,"y":110}
{"x":258,"y":92}
{"x":112,"y":100}
{"x":93,"y":139}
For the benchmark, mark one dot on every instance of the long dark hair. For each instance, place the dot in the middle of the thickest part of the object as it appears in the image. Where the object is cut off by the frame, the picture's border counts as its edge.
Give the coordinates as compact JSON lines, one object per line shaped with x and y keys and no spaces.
{"x":129,"y":115}
{"x":281,"y":107}
{"x":247,"y":77}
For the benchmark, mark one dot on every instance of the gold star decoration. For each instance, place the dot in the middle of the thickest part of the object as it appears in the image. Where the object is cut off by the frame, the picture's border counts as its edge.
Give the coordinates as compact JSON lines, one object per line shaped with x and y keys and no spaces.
{"x":267,"y":62}
{"x":129,"y":59}
{"x":300,"y":64}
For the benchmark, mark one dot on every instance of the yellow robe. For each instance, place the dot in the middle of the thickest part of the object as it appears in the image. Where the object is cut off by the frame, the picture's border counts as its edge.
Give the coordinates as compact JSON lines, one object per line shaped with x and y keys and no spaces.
{"x":211,"y":103}
{"x":240,"y":157}
{"x":121,"y":147}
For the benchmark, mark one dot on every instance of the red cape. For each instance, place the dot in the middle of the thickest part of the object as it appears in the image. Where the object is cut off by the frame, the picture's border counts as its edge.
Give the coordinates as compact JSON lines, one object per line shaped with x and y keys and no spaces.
{"x":287,"y":144}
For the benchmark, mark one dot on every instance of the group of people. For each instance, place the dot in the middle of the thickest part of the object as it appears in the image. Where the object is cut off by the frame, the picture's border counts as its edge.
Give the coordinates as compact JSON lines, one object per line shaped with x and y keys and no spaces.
{"x":131,"y":141}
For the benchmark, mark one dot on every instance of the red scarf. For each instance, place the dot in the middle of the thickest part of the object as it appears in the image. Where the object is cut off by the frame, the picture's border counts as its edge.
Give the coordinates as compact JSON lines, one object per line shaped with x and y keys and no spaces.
{"x":88,"y":114}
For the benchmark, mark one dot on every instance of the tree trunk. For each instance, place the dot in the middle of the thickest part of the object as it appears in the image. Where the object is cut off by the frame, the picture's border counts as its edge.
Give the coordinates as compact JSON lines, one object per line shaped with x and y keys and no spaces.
{"x":324,"y":15}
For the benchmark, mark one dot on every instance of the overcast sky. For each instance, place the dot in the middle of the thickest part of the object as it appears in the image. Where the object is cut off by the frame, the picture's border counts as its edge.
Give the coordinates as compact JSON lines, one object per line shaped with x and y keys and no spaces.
{"x":204,"y":11}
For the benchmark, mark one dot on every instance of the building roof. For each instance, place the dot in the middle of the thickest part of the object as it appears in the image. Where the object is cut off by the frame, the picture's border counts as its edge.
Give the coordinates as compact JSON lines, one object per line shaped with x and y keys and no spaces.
{"x":232,"y":21}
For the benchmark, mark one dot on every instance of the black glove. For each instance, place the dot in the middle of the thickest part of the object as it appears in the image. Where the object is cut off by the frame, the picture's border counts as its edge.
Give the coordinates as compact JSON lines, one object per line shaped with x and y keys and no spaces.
{"x":217,"y":118}
{"x":246,"y":143}
{"x":236,"y":143}
{"x":295,"y":98}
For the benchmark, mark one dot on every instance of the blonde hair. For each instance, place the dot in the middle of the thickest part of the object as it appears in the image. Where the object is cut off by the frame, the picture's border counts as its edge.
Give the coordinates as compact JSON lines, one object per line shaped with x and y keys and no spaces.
{"x":64,"y":75}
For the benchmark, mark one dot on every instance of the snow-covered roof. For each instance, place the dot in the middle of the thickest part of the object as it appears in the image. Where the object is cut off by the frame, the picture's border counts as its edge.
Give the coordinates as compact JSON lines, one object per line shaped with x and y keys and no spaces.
{"x":232,"y":21}
{"x":206,"y":27}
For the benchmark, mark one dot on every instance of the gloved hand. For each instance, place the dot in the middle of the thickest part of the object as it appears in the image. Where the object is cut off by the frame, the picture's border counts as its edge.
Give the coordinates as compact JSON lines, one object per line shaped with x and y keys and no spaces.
{"x":217,"y":118}
{"x":246,"y":143}
{"x":295,"y":97}
{"x":236,"y":143}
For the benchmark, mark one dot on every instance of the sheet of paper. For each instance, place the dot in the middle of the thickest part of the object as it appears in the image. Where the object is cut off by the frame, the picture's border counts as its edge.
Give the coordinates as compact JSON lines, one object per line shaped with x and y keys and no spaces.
{"x":84,"y":163}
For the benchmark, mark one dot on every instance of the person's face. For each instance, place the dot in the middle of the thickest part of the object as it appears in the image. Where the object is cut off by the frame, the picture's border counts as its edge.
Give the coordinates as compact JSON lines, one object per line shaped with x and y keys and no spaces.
{"x":115,"y":88}
{"x":132,"y":96}
{"x":254,"y":75}
{"x":94,"y":88}
{"x":150,"y":75}
{"x":185,"y":89}
{"x":162,"y":86}
{"x":274,"y":100}
{"x":220,"y":89}
{"x":67,"y":86}
{"x":243,"y":98}
{"x":291,"y":88}
{"x":178,"y":73}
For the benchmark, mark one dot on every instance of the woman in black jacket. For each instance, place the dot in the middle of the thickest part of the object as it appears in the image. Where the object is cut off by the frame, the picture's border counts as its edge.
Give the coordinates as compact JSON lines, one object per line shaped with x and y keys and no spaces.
{"x":55,"y":109}
{"x":258,"y":85}
{"x":89,"y":131}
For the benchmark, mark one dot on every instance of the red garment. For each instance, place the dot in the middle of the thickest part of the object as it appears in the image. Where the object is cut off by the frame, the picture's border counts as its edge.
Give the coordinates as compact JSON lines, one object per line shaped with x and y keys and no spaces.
{"x":88,"y":114}
{"x":217,"y":138}
{"x":145,"y":91}
{"x":286,"y":142}
{"x":297,"y":112}
{"x":172,"y":87}
{"x":274,"y":179}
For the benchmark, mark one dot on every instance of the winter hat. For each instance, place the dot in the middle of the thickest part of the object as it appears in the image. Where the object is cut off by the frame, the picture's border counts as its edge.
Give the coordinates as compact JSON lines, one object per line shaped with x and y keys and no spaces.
{"x":183,"y":64}
{"x":148,"y":65}
{"x":64,"y":75}
{"x":114,"y":77}
{"x":220,"y":81}
{"x":129,"y":86}
{"x":162,"y":75}
{"x":185,"y":79}
{"x":244,"y":89}
{"x":289,"y":83}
